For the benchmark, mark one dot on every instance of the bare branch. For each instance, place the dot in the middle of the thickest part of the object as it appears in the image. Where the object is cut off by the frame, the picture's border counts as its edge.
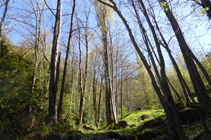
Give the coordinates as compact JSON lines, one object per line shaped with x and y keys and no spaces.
{"x":49,"y":8}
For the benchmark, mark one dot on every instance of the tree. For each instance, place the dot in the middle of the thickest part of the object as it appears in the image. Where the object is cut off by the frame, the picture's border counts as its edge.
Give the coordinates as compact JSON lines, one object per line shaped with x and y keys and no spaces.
{"x":53,"y":70}
{"x":198,"y":84}
{"x":169,"y":107}
{"x":102,"y":14}
{"x":2,"y":21}
{"x":206,"y":4}
{"x":61,"y":102}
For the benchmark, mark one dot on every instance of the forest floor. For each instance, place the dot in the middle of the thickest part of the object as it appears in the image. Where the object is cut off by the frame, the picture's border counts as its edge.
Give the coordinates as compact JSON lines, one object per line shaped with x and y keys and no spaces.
{"x":141,"y":125}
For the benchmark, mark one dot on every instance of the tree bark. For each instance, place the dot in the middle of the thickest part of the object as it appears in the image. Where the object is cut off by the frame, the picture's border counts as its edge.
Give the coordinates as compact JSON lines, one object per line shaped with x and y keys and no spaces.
{"x":99,"y":102}
{"x":94,"y":92}
{"x":121,"y":93}
{"x":62,"y":94}
{"x":128,"y":97}
{"x":117,"y":87}
{"x":79,"y":75}
{"x":2,"y":21}
{"x":82,"y":101}
{"x":182,"y":81}
{"x":54,"y":57}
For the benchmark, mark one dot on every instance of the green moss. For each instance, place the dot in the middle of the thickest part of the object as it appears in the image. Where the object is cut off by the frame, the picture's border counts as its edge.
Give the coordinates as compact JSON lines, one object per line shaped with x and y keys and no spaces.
{"x":182,"y":104}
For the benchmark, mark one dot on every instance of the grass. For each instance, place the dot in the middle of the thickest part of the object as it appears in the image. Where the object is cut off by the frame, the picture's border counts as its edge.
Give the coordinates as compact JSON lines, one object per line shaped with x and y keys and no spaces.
{"x":133,"y":117}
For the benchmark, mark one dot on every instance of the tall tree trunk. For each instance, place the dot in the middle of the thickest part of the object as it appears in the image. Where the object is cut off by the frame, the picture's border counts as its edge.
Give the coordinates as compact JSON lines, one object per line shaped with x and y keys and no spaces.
{"x":54,"y":57}
{"x":110,"y":103}
{"x":36,"y":51}
{"x":79,"y":69}
{"x":99,"y":102}
{"x":198,"y":84}
{"x":107,"y":81}
{"x":117,"y":87}
{"x":76,"y":82}
{"x":62,"y":94}
{"x":128,"y":97}
{"x":82,"y":101}
{"x":2,"y":21}
{"x":112,"y":81}
{"x":94,"y":92}
{"x":72,"y":82}
{"x":121,"y":81}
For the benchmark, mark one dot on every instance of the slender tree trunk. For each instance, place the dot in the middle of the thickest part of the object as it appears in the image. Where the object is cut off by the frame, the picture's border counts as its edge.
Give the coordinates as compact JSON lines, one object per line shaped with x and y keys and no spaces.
{"x":76,"y":82}
{"x":112,"y":82}
{"x":94,"y":92}
{"x":146,"y":41}
{"x":179,"y":75}
{"x":175,"y":91}
{"x":36,"y":51}
{"x":79,"y":76}
{"x":62,"y":94}
{"x":202,"y":68}
{"x":128,"y":97}
{"x":99,"y":103}
{"x":72,"y":82}
{"x":82,"y":101}
{"x":2,"y":21}
{"x":110,"y":103}
{"x":117,"y":87}
{"x":54,"y":57}
{"x":121,"y":93}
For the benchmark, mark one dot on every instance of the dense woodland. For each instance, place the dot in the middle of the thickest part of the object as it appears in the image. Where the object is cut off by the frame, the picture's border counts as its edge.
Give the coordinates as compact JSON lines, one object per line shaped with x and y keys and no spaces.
{"x":66,"y":63}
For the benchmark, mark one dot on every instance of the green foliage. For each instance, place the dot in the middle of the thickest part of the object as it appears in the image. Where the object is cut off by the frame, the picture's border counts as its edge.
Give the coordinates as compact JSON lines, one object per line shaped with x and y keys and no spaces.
{"x":206,"y":62}
{"x":165,"y":5}
{"x":16,"y":74}
{"x":133,"y":117}
{"x":145,"y":91}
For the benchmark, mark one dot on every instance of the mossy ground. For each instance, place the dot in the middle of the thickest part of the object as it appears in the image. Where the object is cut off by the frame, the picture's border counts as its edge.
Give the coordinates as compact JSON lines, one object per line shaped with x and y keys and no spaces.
{"x":134,"y":117}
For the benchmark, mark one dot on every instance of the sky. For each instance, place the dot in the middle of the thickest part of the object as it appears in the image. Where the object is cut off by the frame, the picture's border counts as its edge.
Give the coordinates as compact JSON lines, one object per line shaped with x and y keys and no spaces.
{"x":196,"y":28}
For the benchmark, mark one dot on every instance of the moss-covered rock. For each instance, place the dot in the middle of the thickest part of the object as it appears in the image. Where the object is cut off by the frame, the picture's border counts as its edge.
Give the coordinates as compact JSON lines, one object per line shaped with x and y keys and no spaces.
{"x":89,"y":127}
{"x":111,"y":127}
{"x":144,"y":116}
{"x":122,"y":124}
{"x":188,"y":115}
{"x":133,"y":125}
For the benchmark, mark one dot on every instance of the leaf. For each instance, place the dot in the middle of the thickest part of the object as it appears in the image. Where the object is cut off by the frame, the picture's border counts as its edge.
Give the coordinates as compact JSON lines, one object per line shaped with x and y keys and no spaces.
{"x":207,"y":8}
{"x":202,"y":11}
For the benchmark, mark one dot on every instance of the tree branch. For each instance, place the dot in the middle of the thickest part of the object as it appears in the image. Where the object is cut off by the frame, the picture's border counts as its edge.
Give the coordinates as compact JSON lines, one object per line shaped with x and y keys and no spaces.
{"x":49,"y":8}
{"x":105,"y":3}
